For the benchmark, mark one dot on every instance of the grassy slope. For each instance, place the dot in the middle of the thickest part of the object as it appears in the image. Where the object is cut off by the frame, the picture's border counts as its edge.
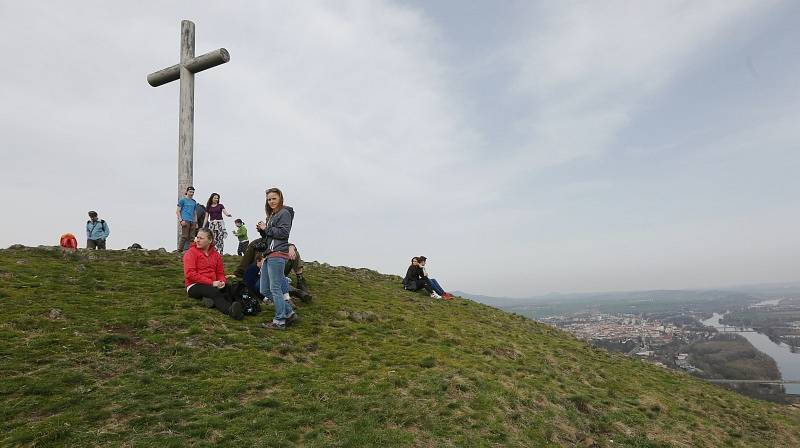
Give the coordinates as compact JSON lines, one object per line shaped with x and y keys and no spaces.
{"x":133,"y":361}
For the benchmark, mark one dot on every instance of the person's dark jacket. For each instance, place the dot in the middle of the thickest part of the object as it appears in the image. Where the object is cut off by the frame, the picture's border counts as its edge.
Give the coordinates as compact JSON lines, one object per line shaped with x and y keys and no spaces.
{"x":200,"y":215}
{"x":277,"y":232}
{"x":252,"y":275}
{"x":413,"y":279}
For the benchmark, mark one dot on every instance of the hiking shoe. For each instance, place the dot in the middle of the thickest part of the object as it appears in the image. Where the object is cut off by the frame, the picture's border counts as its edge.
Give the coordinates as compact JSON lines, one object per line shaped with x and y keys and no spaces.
{"x":292,"y":319}
{"x":304,"y":296}
{"x":273,"y":326}
{"x":301,"y":283}
{"x":435,"y":296}
{"x":207,"y":302}
{"x":235,"y":311}
{"x":447,"y":296}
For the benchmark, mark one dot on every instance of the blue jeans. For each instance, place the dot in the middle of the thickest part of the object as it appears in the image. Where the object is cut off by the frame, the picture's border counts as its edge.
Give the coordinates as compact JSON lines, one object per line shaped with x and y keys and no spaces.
{"x":436,"y":287}
{"x":272,"y":285}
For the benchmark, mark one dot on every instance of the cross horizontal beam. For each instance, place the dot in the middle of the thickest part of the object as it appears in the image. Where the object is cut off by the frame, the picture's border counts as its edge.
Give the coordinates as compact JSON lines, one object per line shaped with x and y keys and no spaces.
{"x":194,"y":65}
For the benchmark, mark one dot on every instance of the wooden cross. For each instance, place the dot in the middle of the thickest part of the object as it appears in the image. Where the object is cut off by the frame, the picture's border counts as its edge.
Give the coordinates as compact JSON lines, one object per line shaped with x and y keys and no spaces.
{"x":185,"y":70}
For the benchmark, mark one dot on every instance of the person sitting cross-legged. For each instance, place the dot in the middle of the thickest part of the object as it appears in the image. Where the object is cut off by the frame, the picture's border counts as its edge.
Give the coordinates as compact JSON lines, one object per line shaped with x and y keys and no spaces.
{"x":204,"y":275}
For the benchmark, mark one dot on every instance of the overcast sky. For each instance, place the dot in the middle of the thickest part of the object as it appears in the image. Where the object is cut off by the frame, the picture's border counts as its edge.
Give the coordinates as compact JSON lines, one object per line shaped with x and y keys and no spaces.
{"x":524,"y":147}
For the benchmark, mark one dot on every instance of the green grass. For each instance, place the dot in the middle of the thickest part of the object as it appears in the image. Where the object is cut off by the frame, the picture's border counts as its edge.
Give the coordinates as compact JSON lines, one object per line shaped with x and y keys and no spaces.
{"x":127,"y":359}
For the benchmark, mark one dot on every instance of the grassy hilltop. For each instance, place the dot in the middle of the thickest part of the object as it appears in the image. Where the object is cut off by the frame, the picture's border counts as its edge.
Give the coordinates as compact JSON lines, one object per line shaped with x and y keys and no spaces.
{"x":106,"y":349}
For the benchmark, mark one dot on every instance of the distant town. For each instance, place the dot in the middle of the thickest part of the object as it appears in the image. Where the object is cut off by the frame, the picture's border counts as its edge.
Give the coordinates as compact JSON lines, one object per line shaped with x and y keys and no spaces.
{"x":746,"y":340}
{"x":637,"y":336}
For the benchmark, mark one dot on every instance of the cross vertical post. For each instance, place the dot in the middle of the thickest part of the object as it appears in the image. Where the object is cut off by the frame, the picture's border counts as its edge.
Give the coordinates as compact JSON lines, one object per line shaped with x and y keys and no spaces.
{"x":186,"y":117}
{"x":184,"y":71}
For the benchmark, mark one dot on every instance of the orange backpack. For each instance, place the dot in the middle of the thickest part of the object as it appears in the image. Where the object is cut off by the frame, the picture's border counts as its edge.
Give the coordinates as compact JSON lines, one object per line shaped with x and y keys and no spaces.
{"x":68,"y":241}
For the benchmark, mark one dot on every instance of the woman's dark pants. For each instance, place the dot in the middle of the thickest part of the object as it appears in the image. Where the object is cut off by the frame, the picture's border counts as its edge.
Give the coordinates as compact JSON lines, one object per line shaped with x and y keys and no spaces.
{"x":220,"y":298}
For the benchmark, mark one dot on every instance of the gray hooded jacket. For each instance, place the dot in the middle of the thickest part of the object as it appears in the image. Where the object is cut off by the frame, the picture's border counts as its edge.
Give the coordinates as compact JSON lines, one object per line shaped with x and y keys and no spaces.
{"x":277,"y":232}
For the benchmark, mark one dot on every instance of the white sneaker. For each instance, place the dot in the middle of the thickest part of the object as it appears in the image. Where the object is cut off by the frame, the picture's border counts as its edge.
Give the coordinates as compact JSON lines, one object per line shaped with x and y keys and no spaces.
{"x":435,"y":296}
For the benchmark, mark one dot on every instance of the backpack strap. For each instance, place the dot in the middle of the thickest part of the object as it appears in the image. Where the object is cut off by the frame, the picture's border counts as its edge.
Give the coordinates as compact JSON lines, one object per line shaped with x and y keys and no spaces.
{"x":102,"y":225}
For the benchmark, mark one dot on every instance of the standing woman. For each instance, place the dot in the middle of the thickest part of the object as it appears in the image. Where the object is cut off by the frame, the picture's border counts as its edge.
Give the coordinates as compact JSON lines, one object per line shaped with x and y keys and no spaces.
{"x":278,"y":226}
{"x":214,"y":212}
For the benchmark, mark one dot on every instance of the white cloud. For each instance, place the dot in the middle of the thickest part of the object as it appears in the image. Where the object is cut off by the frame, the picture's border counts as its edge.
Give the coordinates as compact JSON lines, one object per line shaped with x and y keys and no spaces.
{"x":588,"y":66}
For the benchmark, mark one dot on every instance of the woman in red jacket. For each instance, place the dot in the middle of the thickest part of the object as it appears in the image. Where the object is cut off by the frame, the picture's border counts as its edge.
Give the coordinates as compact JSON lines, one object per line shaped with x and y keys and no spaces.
{"x":205,"y":276}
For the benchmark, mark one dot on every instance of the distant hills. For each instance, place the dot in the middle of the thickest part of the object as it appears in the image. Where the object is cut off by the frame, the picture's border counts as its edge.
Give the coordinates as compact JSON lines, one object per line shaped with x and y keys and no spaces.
{"x":556,"y":302}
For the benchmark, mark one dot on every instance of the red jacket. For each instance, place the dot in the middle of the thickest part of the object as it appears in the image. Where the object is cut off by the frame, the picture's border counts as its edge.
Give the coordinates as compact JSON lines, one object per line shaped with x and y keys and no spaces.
{"x":201,"y":268}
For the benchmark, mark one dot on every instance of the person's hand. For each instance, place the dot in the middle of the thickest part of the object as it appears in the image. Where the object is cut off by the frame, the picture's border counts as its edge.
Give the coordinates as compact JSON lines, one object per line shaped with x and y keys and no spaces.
{"x":292,"y":253}
{"x":261,"y":225}
{"x":218,"y":284}
{"x":183,"y":223}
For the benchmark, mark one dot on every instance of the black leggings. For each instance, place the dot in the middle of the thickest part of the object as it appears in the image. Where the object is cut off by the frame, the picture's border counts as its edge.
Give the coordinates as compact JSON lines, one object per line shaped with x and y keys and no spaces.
{"x":219,"y":296}
{"x":422,"y":283}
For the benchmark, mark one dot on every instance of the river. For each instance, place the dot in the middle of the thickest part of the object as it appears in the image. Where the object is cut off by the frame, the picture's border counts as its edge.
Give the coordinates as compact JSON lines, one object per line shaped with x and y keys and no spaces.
{"x":788,"y":362}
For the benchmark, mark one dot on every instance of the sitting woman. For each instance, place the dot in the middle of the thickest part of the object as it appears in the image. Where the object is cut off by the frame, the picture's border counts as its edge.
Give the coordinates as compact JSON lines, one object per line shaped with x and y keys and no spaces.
{"x":205,"y":276}
{"x":437,"y":288}
{"x":415,"y":280}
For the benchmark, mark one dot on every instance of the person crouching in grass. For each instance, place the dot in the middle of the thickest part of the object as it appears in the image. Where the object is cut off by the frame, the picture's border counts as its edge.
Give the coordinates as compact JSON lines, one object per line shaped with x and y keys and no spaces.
{"x":205,"y":276}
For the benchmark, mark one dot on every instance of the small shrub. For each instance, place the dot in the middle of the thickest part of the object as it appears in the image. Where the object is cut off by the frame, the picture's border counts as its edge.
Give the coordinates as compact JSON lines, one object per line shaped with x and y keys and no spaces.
{"x":427,"y":362}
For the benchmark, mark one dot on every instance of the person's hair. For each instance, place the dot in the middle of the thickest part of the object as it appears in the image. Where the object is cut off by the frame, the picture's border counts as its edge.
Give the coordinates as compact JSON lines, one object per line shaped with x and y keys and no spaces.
{"x":280,"y":201}
{"x":207,"y":233}
{"x":189,"y":188}
{"x":421,"y":258}
{"x":238,"y":221}
{"x":259,"y":257}
{"x":414,"y":258}
{"x":208,"y":204}
{"x":92,"y":214}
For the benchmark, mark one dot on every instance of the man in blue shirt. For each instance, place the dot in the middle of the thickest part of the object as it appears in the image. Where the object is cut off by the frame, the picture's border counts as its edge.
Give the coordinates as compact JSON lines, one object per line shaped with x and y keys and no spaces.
{"x":96,"y":232}
{"x":186,"y":215}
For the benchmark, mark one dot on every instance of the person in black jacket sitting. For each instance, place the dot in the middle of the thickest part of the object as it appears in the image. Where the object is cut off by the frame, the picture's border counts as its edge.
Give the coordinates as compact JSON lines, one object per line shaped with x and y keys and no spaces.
{"x":252,"y":276}
{"x":416,"y":280}
{"x":294,"y":264}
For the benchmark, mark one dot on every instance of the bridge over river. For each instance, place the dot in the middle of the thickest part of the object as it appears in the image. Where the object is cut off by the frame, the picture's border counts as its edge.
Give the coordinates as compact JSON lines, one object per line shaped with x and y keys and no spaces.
{"x":725,"y":381}
{"x":730,"y":329}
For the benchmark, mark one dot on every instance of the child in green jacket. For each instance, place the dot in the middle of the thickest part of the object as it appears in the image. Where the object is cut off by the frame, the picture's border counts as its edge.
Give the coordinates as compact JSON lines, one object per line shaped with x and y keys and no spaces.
{"x":241,"y":233}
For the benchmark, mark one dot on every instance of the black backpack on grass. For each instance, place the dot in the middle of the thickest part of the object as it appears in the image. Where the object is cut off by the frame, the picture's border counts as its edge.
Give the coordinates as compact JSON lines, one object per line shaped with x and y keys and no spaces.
{"x":238,"y":292}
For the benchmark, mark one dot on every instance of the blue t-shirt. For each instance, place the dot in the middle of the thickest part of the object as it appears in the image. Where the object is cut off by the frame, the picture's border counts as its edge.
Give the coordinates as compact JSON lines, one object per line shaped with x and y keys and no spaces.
{"x":187,"y":209}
